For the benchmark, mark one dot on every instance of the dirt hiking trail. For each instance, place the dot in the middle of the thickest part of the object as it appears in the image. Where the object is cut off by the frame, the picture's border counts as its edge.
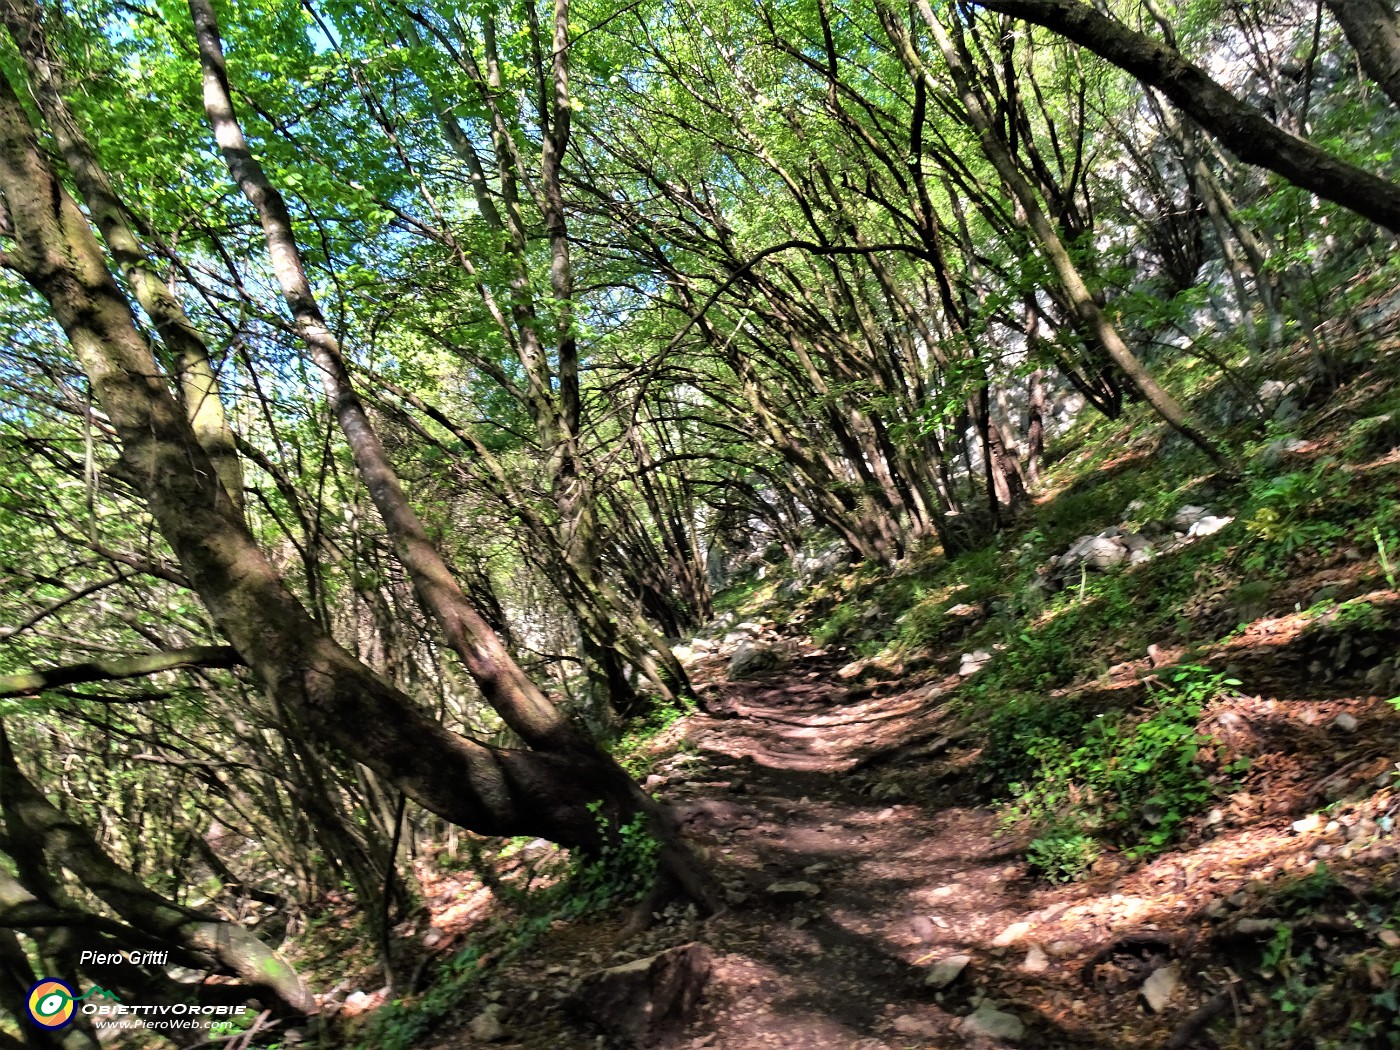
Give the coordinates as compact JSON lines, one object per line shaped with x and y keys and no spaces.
{"x":874,"y":901}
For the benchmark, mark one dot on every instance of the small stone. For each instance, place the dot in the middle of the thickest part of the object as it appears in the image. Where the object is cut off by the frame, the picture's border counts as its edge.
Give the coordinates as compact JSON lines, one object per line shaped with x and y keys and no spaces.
{"x":1036,"y":960}
{"x":1209,"y":525}
{"x":486,"y":1026}
{"x":991,"y":1023}
{"x":1254,"y":927}
{"x":1159,"y":988}
{"x":1336,"y":788}
{"x":908,"y":1024}
{"x":1309,"y":823}
{"x":945,"y":971}
{"x":1364,"y":828}
{"x":794,"y":890}
{"x":1288,"y":411}
{"x":1389,"y":938}
{"x":750,"y":660}
{"x":645,"y":1000}
{"x":1325,"y":593}
{"x":973,"y":662}
{"x":1188,"y":516}
{"x":1273,"y":391}
{"x":1011,"y":934}
{"x":851,"y":670}
{"x":887,"y":791}
{"x":1136,"y":542}
{"x":1104,"y":552}
{"x":1345,"y":722}
{"x":1380,"y":676}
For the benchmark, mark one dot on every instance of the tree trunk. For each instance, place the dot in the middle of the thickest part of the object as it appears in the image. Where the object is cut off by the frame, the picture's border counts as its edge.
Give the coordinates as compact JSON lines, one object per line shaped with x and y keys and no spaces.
{"x":199,"y":385}
{"x":17,"y":977}
{"x":1091,"y":317}
{"x":65,"y":842}
{"x":1240,"y":127}
{"x":1373,"y":29}
{"x":330,"y":695}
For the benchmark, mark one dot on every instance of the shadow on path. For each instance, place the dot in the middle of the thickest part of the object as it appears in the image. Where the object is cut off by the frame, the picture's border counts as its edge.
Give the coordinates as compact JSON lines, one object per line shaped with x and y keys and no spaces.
{"x":882,"y":888}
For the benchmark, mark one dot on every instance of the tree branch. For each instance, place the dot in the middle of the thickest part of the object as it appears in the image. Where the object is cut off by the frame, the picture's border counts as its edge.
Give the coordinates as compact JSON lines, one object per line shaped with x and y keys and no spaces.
{"x":111,"y":670}
{"x":1240,"y":127}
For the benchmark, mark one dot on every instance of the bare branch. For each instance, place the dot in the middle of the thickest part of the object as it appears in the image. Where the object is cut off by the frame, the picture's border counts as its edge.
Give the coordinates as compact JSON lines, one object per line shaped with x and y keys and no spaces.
{"x":113,"y":670}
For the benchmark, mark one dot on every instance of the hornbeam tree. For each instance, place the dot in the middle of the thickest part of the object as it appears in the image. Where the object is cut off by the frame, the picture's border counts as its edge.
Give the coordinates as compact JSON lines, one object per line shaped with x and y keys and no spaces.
{"x":562,"y":787}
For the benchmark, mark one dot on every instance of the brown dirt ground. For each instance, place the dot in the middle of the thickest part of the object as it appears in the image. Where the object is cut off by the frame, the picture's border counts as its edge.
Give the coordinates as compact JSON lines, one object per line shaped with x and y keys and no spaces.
{"x":777,"y":785}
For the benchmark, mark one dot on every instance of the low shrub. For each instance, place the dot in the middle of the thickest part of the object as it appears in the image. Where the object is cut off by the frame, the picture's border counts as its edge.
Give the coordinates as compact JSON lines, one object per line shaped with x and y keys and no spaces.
{"x":1124,"y":781}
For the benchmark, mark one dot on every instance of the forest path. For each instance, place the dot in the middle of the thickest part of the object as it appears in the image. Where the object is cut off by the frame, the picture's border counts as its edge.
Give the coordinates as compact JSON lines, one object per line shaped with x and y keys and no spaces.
{"x":792,"y":781}
{"x":847,"y":819}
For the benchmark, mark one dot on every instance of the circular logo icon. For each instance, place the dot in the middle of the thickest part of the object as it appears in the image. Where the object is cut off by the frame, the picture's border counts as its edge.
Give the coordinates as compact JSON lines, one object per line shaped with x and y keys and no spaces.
{"x":50,"y":1003}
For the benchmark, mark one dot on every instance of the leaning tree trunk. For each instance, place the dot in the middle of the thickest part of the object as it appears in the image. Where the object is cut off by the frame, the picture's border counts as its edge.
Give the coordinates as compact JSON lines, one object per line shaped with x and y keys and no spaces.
{"x":1240,"y":127}
{"x":511,"y":693}
{"x":17,"y":977}
{"x":1092,"y":320}
{"x":333,"y":696}
{"x":199,"y":384}
{"x":21,"y":910}
{"x":1373,"y":29}
{"x":506,"y":687}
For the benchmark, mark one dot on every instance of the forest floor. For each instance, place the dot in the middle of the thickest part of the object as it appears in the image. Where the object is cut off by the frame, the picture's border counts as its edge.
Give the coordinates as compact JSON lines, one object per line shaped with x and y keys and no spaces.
{"x":887,"y":808}
{"x":842,"y":905}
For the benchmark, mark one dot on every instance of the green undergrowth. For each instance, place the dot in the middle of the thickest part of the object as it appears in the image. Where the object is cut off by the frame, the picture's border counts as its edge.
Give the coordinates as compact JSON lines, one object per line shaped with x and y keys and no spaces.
{"x":1337,"y":990}
{"x":575,"y":886}
{"x":745,"y":594}
{"x":636,"y":749}
{"x":1125,"y":781}
{"x":1087,"y":767}
{"x":1092,"y":769}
